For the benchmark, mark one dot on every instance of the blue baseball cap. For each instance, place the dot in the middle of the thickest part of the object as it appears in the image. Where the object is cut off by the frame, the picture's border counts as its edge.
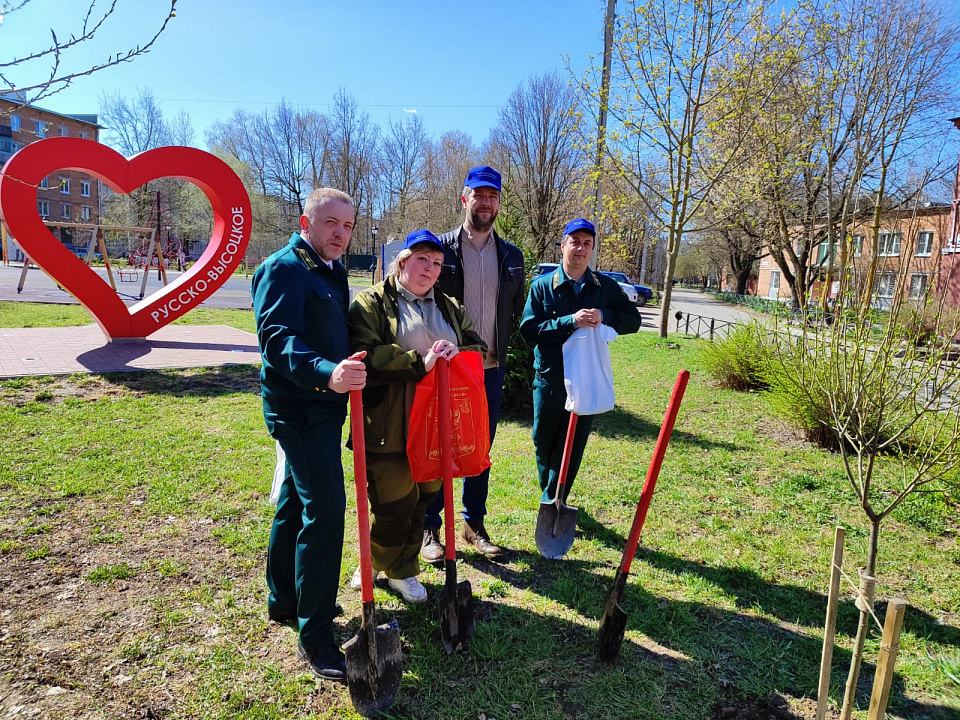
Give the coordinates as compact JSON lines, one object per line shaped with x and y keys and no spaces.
{"x":579,"y":224}
{"x":421,"y":236}
{"x":482,"y":176}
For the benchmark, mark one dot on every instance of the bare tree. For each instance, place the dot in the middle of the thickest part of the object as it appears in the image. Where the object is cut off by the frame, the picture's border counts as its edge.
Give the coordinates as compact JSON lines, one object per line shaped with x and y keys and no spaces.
{"x":536,"y":134}
{"x":354,"y":141}
{"x":135,"y":125}
{"x":402,"y":163}
{"x":445,"y":169}
{"x":21,"y":74}
{"x":286,"y":152}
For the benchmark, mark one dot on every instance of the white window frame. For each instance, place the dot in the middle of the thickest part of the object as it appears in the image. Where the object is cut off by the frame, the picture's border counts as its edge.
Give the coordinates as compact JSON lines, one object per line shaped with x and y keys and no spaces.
{"x":891,"y":279}
{"x":45,"y":183}
{"x":83,"y":135}
{"x":40,"y":128}
{"x":17,"y":146}
{"x":65,"y":210}
{"x":919,"y":294}
{"x":928,"y":250}
{"x":85,"y":212}
{"x":43,"y":208}
{"x":64,"y":131}
{"x":857,"y":245}
{"x":16,"y":124}
{"x":85,"y":188}
{"x":889,"y":243}
{"x":64,"y":186}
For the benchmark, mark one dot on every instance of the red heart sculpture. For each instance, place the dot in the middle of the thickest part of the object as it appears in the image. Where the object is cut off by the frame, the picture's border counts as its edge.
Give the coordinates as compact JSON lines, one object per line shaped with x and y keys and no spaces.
{"x":232,"y":217}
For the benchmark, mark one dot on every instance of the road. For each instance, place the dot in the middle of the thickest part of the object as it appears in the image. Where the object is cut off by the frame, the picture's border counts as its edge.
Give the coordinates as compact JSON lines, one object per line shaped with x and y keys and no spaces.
{"x":235,"y":293}
{"x":694,"y":302}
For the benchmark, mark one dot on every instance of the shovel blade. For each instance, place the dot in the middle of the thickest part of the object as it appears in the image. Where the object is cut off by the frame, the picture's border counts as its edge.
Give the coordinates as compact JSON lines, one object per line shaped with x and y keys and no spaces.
{"x":614,"y":620}
{"x":612,"y":626}
{"x":374,"y":669}
{"x":556,"y":527}
{"x":456,"y":616}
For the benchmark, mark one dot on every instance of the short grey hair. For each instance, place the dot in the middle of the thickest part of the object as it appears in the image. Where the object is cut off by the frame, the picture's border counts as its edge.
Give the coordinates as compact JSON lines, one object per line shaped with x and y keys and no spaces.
{"x":321,"y":195}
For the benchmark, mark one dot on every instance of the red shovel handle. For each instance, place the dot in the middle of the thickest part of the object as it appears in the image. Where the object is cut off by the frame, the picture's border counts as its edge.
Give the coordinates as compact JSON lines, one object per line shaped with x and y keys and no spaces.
{"x":360,"y":481}
{"x":655,"y":462}
{"x":446,"y":455}
{"x":565,"y":460}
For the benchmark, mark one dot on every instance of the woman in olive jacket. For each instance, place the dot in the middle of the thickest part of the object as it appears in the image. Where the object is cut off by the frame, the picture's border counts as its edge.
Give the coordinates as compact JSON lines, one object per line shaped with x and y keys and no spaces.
{"x":405,"y":325}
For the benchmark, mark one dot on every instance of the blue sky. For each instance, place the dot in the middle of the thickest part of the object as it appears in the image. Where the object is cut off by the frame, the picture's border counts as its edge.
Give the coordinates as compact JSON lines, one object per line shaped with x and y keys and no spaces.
{"x":455,"y":63}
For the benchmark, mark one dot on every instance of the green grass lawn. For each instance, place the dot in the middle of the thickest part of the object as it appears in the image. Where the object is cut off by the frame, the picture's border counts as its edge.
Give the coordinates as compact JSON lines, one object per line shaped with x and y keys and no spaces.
{"x":134,"y":524}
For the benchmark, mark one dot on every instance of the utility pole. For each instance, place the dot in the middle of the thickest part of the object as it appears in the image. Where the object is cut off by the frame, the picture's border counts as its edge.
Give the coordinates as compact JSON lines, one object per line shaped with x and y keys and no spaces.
{"x":608,"y":22}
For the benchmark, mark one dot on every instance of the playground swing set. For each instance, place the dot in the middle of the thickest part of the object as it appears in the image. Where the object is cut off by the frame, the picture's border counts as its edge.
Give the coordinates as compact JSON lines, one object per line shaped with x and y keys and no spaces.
{"x":96,"y":242}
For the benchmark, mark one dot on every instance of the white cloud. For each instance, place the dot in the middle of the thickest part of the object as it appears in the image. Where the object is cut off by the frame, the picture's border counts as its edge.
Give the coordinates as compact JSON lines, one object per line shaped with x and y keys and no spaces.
{"x":412,"y":112}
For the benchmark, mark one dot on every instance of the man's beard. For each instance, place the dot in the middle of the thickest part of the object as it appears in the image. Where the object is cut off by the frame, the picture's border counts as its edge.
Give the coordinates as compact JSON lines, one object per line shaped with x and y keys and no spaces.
{"x":479,"y":225}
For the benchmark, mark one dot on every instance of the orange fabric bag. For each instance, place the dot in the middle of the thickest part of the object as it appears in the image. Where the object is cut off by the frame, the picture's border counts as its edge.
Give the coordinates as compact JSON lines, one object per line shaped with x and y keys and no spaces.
{"x":469,"y":421}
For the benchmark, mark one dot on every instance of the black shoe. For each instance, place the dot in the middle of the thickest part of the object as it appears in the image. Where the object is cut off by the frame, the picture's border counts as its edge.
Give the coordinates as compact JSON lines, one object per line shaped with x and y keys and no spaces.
{"x":326,"y":662}
{"x":477,"y":536}
{"x":432,"y":549}
{"x":291,"y":621}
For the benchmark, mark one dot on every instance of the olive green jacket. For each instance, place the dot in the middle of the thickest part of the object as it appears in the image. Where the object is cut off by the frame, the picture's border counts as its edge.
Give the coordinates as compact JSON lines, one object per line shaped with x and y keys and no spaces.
{"x":373,"y":321}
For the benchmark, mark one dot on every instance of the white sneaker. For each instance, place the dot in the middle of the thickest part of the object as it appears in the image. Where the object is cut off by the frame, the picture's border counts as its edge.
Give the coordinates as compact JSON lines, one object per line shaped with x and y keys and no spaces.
{"x":355,"y":582}
{"x":409,"y":588}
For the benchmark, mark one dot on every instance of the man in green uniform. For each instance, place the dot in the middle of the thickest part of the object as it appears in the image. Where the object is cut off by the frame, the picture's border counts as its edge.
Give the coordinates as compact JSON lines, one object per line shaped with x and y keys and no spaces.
{"x":300,"y":298}
{"x":570,"y":297}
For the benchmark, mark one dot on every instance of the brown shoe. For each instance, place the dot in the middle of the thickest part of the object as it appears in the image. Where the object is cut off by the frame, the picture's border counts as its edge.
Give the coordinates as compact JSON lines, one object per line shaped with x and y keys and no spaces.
{"x":432,"y":549}
{"x":477,"y":536}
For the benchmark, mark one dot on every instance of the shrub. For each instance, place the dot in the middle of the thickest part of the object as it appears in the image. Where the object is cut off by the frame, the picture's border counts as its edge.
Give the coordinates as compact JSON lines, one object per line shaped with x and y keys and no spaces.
{"x":738,"y":361}
{"x":518,"y":383}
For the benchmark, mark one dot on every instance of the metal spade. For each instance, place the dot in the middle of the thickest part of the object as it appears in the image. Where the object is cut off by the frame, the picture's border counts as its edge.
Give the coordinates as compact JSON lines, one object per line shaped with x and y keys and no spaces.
{"x":374,"y":661}
{"x":456,"y":599}
{"x":614,"y":620}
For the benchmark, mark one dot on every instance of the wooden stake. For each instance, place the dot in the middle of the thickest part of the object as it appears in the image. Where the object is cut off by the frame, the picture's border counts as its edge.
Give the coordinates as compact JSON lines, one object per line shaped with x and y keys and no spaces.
{"x":889,"y":645}
{"x":830,"y":628}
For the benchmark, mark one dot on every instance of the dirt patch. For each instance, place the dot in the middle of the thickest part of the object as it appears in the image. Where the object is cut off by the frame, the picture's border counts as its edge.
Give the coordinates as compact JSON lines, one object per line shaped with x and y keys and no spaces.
{"x":776,"y":707}
{"x":55,"y":390}
{"x":87,"y":625}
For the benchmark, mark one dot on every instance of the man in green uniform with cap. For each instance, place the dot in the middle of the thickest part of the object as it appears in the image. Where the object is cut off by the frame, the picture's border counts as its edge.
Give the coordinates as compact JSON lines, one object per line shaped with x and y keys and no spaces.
{"x":300,"y":299}
{"x":570,"y":297}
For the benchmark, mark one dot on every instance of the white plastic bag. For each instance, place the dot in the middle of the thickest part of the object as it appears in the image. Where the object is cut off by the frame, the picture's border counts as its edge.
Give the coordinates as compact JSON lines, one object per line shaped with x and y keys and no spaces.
{"x":587,"y":373}
{"x":279,"y":473}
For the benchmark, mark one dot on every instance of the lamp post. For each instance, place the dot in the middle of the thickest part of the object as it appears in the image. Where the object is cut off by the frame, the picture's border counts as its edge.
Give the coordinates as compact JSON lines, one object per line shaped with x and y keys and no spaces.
{"x":373,"y":267}
{"x":373,"y":234}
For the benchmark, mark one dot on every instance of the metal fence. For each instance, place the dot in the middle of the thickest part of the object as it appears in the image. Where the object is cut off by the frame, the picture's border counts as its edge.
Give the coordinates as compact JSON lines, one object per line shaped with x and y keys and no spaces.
{"x":701,"y":326}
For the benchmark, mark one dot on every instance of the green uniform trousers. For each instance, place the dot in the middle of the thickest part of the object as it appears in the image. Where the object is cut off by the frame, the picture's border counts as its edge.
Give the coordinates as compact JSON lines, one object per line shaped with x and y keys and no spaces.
{"x":398,"y":508}
{"x":550,"y":422}
{"x":306,"y":540}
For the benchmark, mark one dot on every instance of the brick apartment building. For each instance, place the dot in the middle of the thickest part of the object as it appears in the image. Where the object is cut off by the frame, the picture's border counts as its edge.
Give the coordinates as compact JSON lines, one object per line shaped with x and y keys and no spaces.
{"x":951,"y":270}
{"x":916,"y":244}
{"x":65,"y":196}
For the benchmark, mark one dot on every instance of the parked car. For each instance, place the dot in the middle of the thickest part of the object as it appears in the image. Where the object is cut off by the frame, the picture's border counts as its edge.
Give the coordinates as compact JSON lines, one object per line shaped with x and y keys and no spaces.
{"x":628,"y":288}
{"x":643,"y":292}
{"x":81,"y":252}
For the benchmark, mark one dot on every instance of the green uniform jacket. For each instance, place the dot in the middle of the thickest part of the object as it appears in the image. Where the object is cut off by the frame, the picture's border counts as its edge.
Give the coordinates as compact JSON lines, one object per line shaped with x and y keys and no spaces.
{"x":373,"y":321}
{"x":300,"y":306}
{"x":548,"y":321}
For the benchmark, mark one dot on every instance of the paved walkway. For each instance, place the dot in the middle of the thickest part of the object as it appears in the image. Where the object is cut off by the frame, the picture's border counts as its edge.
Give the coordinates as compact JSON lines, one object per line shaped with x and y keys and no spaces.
{"x":63,"y":351}
{"x":694,"y":302}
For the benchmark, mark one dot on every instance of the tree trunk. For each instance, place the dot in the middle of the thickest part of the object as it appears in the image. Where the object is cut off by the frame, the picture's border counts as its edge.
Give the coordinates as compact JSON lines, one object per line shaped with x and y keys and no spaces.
{"x":866,"y":607}
{"x":673,"y":249}
{"x":743,"y":279}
